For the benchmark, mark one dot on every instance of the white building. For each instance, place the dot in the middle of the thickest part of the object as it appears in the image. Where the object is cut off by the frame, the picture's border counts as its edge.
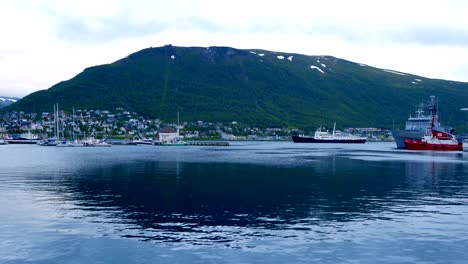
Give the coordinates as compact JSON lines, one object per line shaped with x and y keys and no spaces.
{"x":168,"y":134}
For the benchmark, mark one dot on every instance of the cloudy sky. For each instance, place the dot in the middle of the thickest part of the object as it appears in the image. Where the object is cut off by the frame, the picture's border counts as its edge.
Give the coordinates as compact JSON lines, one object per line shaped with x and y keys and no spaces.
{"x":45,"y":42}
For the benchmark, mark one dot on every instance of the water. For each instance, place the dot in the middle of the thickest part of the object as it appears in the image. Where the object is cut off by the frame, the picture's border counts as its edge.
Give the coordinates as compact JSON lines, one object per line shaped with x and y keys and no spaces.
{"x":247,"y":203}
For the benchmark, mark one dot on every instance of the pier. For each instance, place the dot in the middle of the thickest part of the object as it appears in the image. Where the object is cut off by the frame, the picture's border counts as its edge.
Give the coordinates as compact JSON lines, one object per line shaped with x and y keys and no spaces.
{"x":209,"y":143}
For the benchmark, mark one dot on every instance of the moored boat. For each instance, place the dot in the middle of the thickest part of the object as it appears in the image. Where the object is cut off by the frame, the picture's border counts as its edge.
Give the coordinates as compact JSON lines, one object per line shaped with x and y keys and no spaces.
{"x":327,"y":137}
{"x":137,"y":140}
{"x":70,"y":143}
{"x":416,"y":126}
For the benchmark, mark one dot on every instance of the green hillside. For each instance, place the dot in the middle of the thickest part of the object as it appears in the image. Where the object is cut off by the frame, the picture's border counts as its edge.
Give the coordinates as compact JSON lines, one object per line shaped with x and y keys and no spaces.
{"x":258,"y":87}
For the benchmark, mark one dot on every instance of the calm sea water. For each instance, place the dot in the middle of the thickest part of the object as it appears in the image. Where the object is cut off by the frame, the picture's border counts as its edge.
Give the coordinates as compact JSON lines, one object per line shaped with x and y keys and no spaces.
{"x":247,"y":203}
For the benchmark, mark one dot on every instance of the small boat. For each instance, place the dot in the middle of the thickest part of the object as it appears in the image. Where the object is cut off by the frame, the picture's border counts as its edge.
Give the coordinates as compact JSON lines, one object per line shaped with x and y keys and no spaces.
{"x":70,"y":143}
{"x":49,"y":142}
{"x":93,"y":142}
{"x":102,"y":143}
{"x":142,"y":141}
{"x":3,"y":142}
{"x":327,"y":137}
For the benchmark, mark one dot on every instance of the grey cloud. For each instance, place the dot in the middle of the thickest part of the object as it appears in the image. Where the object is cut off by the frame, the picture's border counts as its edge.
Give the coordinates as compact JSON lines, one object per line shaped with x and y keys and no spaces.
{"x":433,"y":36}
{"x":424,"y":35}
{"x":122,"y":26}
{"x":109,"y":29}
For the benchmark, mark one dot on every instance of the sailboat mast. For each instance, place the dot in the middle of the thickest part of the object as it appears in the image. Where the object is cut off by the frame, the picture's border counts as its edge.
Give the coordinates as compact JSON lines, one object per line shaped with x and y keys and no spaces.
{"x":58,"y":122}
{"x":73,"y":126}
{"x":177,"y":124}
{"x":55,"y":128}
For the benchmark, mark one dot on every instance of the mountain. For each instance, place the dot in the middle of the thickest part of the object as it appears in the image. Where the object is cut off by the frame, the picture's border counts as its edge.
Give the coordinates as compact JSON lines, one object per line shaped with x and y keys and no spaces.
{"x":258,"y":87}
{"x":5,"y":100}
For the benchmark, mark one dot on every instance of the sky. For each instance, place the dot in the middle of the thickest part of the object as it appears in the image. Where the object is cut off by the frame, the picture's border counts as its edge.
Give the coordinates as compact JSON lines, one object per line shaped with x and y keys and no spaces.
{"x":44,"y":42}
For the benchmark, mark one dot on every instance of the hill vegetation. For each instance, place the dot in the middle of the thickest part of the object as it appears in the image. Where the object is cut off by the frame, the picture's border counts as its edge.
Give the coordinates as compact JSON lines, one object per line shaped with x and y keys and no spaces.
{"x":257,"y":87}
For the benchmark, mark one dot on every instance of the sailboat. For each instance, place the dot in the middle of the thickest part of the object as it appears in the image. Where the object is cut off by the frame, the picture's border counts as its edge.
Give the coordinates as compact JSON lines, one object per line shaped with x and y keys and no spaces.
{"x":73,"y":142}
{"x":54,"y":141}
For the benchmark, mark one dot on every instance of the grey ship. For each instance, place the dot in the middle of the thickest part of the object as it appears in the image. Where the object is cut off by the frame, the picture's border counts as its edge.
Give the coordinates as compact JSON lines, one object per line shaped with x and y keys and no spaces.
{"x":418,"y":125}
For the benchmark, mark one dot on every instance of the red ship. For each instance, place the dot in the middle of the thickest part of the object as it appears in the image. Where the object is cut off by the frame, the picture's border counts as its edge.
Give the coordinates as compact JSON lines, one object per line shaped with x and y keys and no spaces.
{"x":435,"y":140}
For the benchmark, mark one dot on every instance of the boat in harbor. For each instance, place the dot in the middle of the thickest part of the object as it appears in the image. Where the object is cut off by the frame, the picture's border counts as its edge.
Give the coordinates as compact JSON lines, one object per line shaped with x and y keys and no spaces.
{"x":55,"y":140}
{"x":25,"y":138}
{"x":321,"y":136}
{"x":70,"y":143}
{"x":48,"y":142}
{"x":416,"y":126}
{"x":137,"y":140}
{"x":93,"y":142}
{"x":435,"y":139}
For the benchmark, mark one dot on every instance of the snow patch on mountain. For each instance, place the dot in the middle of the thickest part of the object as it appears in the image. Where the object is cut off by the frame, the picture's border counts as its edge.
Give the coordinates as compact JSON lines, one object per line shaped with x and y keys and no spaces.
{"x":394,"y":72}
{"x":290,"y":58}
{"x":316,"y":68}
{"x":280,"y":57}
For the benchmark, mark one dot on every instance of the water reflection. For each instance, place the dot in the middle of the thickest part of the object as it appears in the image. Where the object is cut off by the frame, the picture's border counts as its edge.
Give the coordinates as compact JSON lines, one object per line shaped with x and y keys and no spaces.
{"x":168,"y":200}
{"x":155,"y":198}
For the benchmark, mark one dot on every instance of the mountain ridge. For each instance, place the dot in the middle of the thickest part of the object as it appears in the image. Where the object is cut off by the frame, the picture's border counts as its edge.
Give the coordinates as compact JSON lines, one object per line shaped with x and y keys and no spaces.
{"x":258,"y":87}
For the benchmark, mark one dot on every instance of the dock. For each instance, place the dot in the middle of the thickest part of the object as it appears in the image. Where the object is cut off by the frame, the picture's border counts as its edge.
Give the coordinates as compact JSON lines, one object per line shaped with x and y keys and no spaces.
{"x":22,"y":141}
{"x":209,"y":143}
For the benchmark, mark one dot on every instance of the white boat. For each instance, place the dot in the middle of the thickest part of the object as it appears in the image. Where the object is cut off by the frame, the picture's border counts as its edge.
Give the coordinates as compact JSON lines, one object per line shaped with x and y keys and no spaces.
{"x":102,"y":143}
{"x":70,"y":143}
{"x":93,"y":142}
{"x":3,"y":142}
{"x":142,"y":141}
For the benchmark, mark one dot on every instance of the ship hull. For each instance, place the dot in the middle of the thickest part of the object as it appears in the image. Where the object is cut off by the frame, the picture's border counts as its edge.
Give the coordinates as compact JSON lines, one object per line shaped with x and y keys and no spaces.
{"x":299,"y":139}
{"x":401,"y":135}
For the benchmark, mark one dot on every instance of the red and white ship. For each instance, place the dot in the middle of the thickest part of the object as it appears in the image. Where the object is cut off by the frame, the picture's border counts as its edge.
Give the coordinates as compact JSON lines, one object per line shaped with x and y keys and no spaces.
{"x":435,"y":140}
